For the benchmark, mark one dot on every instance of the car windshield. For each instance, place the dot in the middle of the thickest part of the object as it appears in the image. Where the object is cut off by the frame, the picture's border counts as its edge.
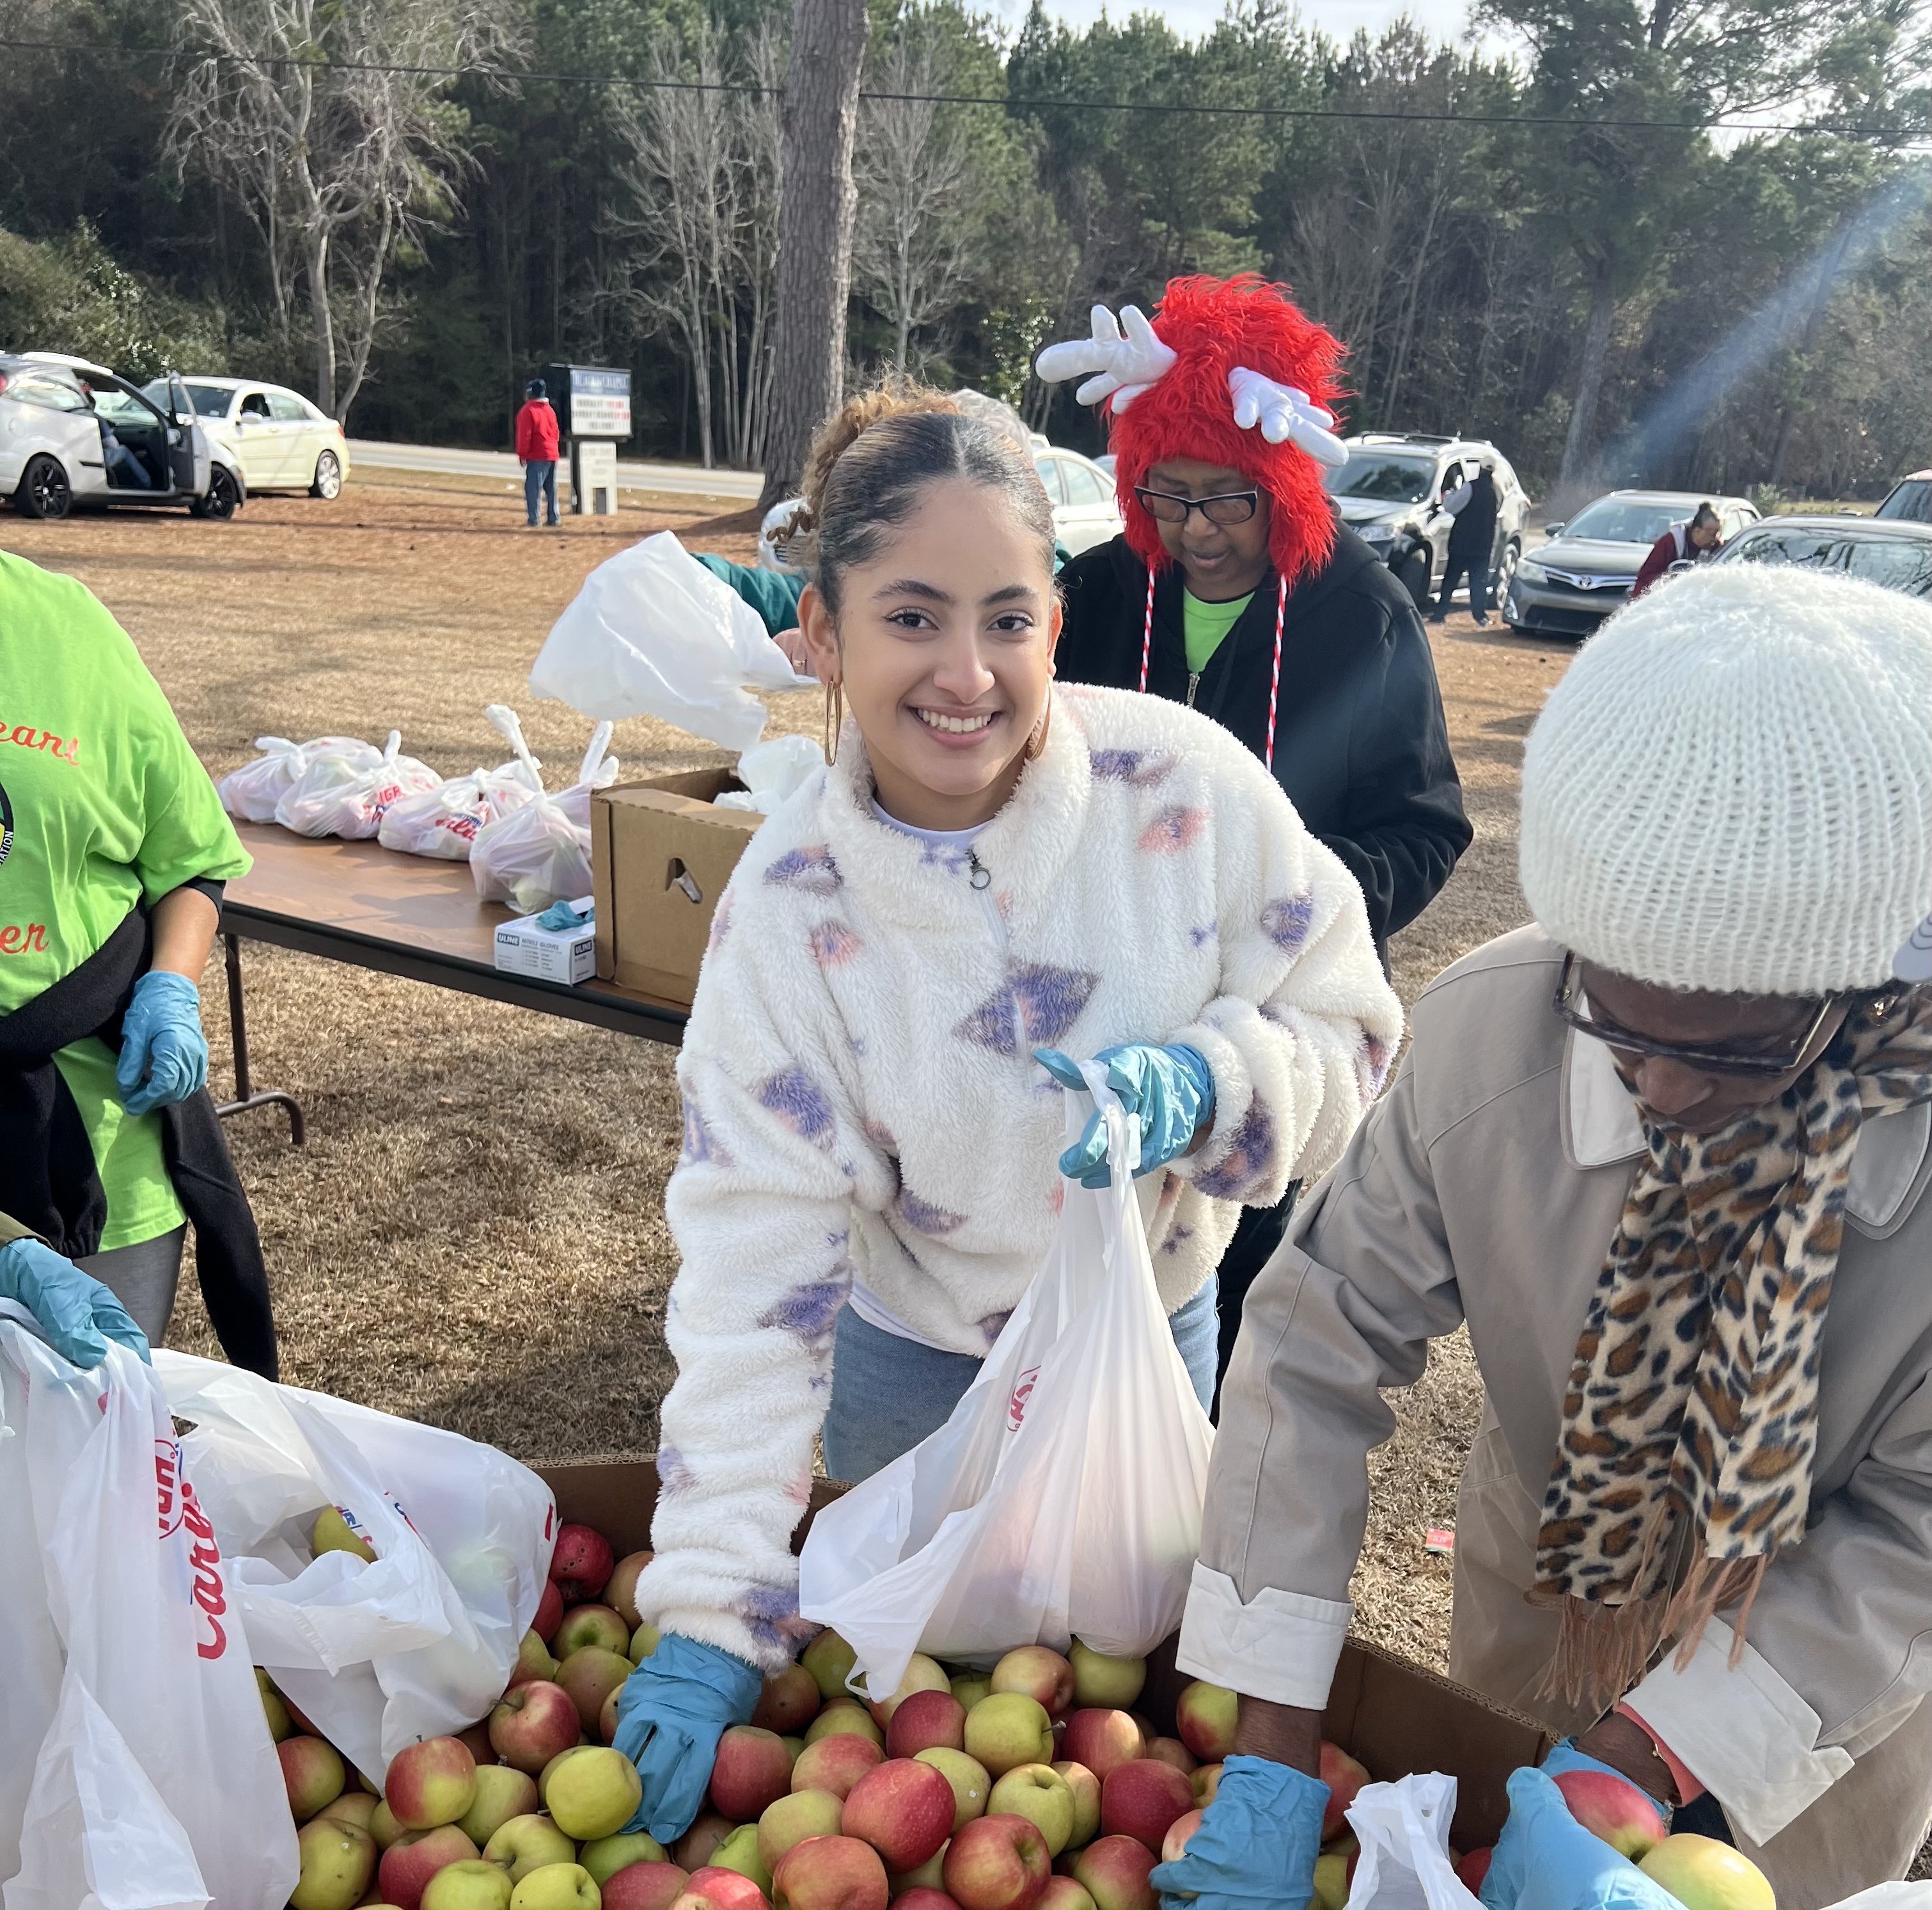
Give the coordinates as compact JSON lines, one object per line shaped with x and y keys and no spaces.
{"x":1389,"y":477}
{"x":1893,"y":563}
{"x":209,"y":400}
{"x":1617,"y":520}
{"x":1911,"y":500}
{"x":121,"y":407}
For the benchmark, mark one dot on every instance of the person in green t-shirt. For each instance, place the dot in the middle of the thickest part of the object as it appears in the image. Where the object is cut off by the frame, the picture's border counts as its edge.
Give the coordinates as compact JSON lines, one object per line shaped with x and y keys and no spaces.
{"x":104,"y":810}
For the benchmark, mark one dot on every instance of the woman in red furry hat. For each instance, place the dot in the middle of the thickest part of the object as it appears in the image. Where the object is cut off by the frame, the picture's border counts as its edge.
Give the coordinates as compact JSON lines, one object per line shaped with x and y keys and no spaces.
{"x":1236,"y":589}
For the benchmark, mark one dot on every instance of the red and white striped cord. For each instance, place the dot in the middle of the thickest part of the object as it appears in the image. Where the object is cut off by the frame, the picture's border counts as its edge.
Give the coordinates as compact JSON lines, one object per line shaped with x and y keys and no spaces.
{"x":1274,"y":681}
{"x":1147,"y":632}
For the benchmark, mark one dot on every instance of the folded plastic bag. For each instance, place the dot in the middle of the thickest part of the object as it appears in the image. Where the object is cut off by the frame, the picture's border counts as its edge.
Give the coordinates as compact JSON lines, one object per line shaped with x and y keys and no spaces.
{"x":540,"y":854}
{"x":445,"y":821}
{"x":251,"y":792}
{"x":1403,"y":1829}
{"x":338,"y":794}
{"x":770,"y":771}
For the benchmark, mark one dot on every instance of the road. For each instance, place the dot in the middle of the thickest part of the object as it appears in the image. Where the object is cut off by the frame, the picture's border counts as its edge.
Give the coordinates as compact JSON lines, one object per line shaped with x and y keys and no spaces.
{"x":664,"y":480}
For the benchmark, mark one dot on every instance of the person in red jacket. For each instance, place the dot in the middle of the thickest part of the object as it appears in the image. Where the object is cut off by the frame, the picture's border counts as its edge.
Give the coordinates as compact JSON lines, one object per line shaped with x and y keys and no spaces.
{"x":1700,"y":539}
{"x":536,"y":446}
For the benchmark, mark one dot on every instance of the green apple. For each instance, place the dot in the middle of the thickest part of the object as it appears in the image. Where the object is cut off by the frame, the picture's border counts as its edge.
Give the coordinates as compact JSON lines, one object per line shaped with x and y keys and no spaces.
{"x":930,"y":1876}
{"x":971,"y":1786}
{"x":469,"y":1884}
{"x":1103,"y":1683}
{"x":338,"y":1864}
{"x":383,"y":1827}
{"x":503,"y":1792}
{"x":594,"y":1794}
{"x":829,"y":1659}
{"x":557,"y":1887}
{"x":332,"y":1533}
{"x":644,"y":1642}
{"x":969,"y":1687}
{"x":740,"y":1852}
{"x":604,"y":1856}
{"x":280,"y":1725}
{"x":1007,"y":1729}
{"x":526,"y":1844}
{"x":1040,"y":1794}
{"x":792,"y":1819}
{"x":844,"y":1715}
{"x":1086,"y":1789}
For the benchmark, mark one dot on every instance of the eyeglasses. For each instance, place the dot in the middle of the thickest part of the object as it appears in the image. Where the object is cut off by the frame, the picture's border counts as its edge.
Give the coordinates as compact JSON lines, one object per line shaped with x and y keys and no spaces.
{"x":1764,"y":1062}
{"x":1230,"y":507}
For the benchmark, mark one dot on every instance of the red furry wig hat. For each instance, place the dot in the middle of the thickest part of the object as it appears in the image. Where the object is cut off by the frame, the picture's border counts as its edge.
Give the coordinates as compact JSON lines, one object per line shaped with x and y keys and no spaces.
{"x":1229,"y":372}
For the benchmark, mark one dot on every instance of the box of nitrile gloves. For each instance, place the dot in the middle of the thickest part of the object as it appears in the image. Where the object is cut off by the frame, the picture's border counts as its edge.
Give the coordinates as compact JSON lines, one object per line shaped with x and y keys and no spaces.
{"x":568,"y":955}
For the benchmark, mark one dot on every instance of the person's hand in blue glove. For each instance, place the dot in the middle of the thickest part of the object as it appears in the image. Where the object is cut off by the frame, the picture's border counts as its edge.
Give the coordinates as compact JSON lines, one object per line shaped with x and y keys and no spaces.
{"x":163,"y":1052}
{"x":1170,"y":1092}
{"x":672,"y":1711}
{"x":77,"y":1313}
{"x":1545,"y":1860}
{"x":1564,"y":1755}
{"x":1256,"y":1845}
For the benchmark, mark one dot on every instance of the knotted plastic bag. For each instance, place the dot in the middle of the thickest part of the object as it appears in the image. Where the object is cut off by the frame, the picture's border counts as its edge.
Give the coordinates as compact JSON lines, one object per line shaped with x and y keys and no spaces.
{"x":340,"y":794}
{"x":251,"y":793}
{"x":540,"y":854}
{"x":446,"y":821}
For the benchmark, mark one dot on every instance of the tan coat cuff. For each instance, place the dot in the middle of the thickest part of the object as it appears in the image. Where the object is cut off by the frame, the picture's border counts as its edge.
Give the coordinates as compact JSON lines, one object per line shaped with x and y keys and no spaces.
{"x":1282,"y":1646}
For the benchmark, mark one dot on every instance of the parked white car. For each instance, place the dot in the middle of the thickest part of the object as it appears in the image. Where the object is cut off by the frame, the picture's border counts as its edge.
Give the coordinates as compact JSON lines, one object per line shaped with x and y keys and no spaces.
{"x":72,"y":433}
{"x":1085,"y":510}
{"x":280,"y":440}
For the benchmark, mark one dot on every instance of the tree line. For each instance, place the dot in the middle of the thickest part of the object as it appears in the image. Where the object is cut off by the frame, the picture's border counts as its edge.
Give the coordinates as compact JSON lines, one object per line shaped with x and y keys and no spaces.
{"x":1673,"y":242}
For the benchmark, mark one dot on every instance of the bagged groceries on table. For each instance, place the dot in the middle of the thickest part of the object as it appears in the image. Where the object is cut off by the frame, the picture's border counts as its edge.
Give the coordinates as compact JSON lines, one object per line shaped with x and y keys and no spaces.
{"x":1063,"y":1498}
{"x":445,"y":821}
{"x":136,"y":1771}
{"x":653,"y":633}
{"x":340,"y":793}
{"x":420,"y":1642}
{"x":770,"y":771}
{"x":251,"y":792}
{"x":541,"y":853}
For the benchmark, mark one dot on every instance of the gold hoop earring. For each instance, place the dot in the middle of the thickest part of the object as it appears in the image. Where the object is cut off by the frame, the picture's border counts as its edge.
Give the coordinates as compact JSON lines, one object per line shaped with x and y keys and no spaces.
{"x":835,"y":717}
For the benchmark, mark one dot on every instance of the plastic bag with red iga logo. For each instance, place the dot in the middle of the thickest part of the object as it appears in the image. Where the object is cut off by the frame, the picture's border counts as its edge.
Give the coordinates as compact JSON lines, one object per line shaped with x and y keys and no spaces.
{"x":446,"y":821}
{"x":137,"y":1770}
{"x":251,"y":792}
{"x":340,"y":793}
{"x":1063,"y":1498}
{"x":417,"y":1642}
{"x":541,"y":853}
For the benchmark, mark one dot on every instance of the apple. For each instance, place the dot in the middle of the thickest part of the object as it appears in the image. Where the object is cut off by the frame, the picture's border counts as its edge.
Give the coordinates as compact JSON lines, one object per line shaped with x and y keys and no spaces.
{"x":903,"y":1809}
{"x":792,"y":1819}
{"x":591,"y":1624}
{"x":280,"y":1725}
{"x":930,"y":1876}
{"x":430,"y":1782}
{"x":1007,"y":1729}
{"x":551,"y":1770}
{"x":1332,"y":1871}
{"x":620,"y":1589}
{"x":557,"y":1886}
{"x":922,"y":1673}
{"x":606,"y":1719}
{"x":740,"y":1852}
{"x":1100,"y":1740}
{"x":829,"y":1659}
{"x":1204,"y":1715}
{"x":1104,"y":1683}
{"x":996,"y":1863}
{"x":1344,"y":1777}
{"x":921,"y":1896}
{"x":835,"y":1763}
{"x":971,"y":1784}
{"x":1040,"y":1794}
{"x":383,"y":1827}
{"x":469,"y":1884}
{"x":788,"y":1702}
{"x":589,"y":1674}
{"x":581,"y":1564}
{"x":924,"y":1720}
{"x":415,"y":1857}
{"x":531,"y":1723}
{"x":724,"y":1890}
{"x":1474,"y":1868}
{"x":645,"y":1886}
{"x":503,"y":1792}
{"x":1614,"y":1809}
{"x":475,"y":1738}
{"x":1174,"y":1845}
{"x":1206,"y":1780}
{"x":845,"y":1717}
{"x":1063,"y":1894}
{"x":1171,"y":1751}
{"x":337,"y":1860}
{"x":1085,"y":1789}
{"x":528,"y":1843}
{"x":549,"y":1613}
{"x":1113,"y":1872}
{"x":644,"y":1642}
{"x":533,"y":1661}
{"x":356,"y":1808}
{"x":312,"y":1769}
{"x":1142,"y":1798}
{"x":752,"y":1769}
{"x":604,"y":1856}
{"x":969,"y":1687}
{"x":594,"y":1794}
{"x":332,"y":1531}
{"x":1038,"y":1672}
{"x":830,"y":1873}
{"x":794,"y":1747}
{"x":708,"y":1830}
{"x":1705,"y":1875}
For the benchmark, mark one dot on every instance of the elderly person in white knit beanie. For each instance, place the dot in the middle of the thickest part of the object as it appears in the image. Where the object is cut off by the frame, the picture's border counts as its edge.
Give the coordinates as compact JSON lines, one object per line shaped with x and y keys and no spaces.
{"x":1667,"y":1151}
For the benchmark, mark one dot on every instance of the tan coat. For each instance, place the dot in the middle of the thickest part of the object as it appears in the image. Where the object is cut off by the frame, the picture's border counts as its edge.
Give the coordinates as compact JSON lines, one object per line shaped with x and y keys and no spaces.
{"x":1486,"y":1187}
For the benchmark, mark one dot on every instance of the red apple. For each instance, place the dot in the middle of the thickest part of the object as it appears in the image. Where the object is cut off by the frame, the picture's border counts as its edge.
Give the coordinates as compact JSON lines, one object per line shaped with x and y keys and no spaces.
{"x":831,"y":1873}
{"x":1344,"y":1777}
{"x":922,"y":1896}
{"x":1142,"y":1798}
{"x":1100,"y":1740}
{"x":645,"y":1886}
{"x":415,"y":1857}
{"x":1705,"y":1875}
{"x":312,"y":1769}
{"x":751,"y":1770}
{"x":996,"y":1863}
{"x":1474,"y":1868}
{"x":727,"y":1889}
{"x":1204,"y":1716}
{"x":1041,"y":1672}
{"x":927,"y":1720}
{"x":693,"y":1850}
{"x":1614,"y":1808}
{"x":549,"y":1612}
{"x":903,"y":1809}
{"x":430,"y":1783}
{"x":922,"y":1673}
{"x":475,"y":1738}
{"x":581,"y":1565}
{"x":531,"y":1723}
{"x":1171,"y":1751}
{"x":1064,"y":1892}
{"x":788,"y":1702}
{"x":589,"y":1675}
{"x":591,"y":1624}
{"x":1174,"y":1845}
{"x":620,"y":1589}
{"x":835,"y":1764}
{"x":1113,"y":1872}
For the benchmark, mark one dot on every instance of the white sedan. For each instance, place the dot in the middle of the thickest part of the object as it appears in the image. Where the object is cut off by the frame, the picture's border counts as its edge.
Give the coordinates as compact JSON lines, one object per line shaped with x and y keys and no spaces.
{"x":1085,"y":510}
{"x":281,"y":441}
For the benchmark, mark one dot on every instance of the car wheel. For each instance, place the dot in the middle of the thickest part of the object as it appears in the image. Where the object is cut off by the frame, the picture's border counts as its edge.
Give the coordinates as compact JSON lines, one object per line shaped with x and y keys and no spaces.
{"x":1506,"y":570}
{"x":223,"y":498}
{"x":328,"y":476}
{"x":1412,"y":574}
{"x":44,"y":491}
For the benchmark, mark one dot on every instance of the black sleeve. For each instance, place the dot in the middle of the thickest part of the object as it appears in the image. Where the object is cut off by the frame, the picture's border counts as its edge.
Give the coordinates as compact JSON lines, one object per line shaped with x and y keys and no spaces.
{"x":205,"y":885}
{"x":1096,"y":644}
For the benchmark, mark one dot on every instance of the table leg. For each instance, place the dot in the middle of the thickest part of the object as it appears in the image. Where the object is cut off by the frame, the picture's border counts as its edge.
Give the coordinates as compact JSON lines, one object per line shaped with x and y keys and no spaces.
{"x":245,"y":1096}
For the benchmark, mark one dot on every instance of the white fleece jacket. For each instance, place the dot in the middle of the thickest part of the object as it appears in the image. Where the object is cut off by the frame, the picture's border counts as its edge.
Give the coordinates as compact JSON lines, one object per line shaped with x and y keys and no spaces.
{"x":860,"y":1093}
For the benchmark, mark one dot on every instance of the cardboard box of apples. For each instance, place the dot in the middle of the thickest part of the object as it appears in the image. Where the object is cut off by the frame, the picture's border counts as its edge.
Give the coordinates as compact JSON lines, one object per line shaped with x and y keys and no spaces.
{"x":1045,"y":1783}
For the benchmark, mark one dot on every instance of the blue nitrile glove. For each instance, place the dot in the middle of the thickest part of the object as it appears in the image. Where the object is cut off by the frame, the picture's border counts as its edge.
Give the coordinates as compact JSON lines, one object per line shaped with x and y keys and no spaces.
{"x":1564,"y":1755}
{"x":670,"y":1714}
{"x":1169,"y":1091}
{"x":163,"y":1053}
{"x":76,"y":1312}
{"x":1545,"y":1860}
{"x":1257,"y":1845}
{"x":561,"y":916}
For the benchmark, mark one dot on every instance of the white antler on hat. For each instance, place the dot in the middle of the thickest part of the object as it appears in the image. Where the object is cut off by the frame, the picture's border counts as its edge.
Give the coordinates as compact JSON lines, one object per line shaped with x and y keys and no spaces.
{"x":1122,"y":365}
{"x":1286,"y":412}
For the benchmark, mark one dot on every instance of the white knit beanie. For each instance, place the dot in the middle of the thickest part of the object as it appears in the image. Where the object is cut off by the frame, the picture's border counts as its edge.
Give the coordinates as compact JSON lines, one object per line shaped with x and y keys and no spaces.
{"x":1731,"y":788}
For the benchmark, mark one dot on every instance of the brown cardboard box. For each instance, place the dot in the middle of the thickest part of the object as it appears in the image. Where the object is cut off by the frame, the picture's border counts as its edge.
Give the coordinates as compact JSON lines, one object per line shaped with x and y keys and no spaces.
{"x":1395,"y":1717}
{"x":652,"y":844}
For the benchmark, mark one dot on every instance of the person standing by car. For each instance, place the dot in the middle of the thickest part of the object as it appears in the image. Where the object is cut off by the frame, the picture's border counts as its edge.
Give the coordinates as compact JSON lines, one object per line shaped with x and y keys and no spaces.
{"x":536,"y":446}
{"x":1690,"y":542}
{"x":1473,"y":504}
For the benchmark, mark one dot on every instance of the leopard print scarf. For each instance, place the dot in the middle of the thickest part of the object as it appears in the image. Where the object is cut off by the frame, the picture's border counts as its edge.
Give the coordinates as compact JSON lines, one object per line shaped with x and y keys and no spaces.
{"x":1689,"y":1423}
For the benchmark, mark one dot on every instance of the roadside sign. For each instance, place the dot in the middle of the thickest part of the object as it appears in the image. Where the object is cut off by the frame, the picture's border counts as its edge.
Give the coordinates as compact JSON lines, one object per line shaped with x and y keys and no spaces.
{"x":591,"y":402}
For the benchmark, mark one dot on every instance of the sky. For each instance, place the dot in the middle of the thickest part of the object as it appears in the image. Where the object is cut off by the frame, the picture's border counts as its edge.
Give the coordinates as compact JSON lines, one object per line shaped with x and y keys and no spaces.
{"x":1338,"y":18}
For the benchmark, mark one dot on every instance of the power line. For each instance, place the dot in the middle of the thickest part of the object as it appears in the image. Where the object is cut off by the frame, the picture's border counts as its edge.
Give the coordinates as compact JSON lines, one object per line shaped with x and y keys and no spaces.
{"x":1844,"y":129}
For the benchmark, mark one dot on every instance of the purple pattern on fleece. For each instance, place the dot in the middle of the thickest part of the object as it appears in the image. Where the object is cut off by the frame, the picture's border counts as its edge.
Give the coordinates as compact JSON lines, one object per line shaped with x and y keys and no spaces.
{"x":1172,"y":830}
{"x":1176,"y":1237}
{"x":1199,"y":938}
{"x":770,"y":1613}
{"x":808,"y":1313}
{"x":1373,"y":1059}
{"x":1286,"y":920}
{"x":994,"y":1324}
{"x":812,"y":869}
{"x":701,"y":1145}
{"x":1249,"y":1157}
{"x":673,"y":1475}
{"x":923,"y":1218}
{"x":833,"y":944}
{"x":1048,"y":1001}
{"x":721,"y":922}
{"x":799,"y":1103}
{"x":1136,"y":768}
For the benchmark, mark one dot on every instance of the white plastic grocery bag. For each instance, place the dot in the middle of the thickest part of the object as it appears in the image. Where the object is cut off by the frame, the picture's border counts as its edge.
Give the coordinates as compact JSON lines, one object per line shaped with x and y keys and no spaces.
{"x":251,"y":793}
{"x":136,"y":1771}
{"x":418,"y":1643}
{"x":653,"y":633}
{"x":446,"y":821}
{"x":541,"y":853}
{"x":1063,"y":1498}
{"x":770,"y":771}
{"x":340,"y":794}
{"x":1403,"y":1829}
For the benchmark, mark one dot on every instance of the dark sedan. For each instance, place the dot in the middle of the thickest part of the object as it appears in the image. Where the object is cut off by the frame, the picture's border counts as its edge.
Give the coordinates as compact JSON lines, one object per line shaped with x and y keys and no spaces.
{"x":1894,"y":552}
